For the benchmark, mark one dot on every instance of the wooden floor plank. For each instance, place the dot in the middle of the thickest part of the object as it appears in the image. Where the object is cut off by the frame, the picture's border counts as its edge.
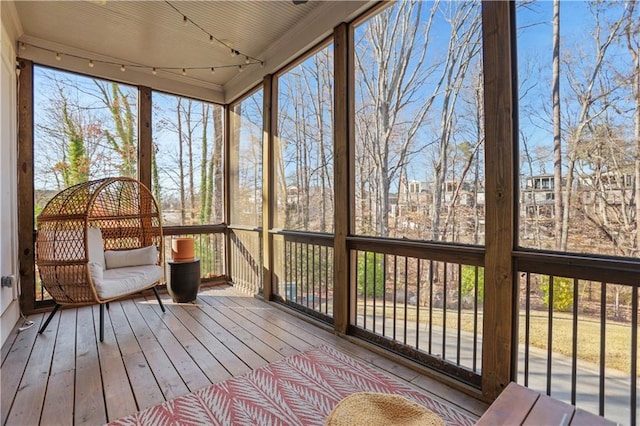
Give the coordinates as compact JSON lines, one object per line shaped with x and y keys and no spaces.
{"x":64,"y":353}
{"x":118,"y":394}
{"x":90,"y":408}
{"x":13,"y":368}
{"x":165,"y":373}
{"x":234,"y":365}
{"x":246,"y":315}
{"x":29,"y":398}
{"x":191,"y":374}
{"x":226,"y":338}
{"x":58,"y":402}
{"x":10,"y":340}
{"x":246,"y":336}
{"x":143,"y":382}
{"x":214,"y":371}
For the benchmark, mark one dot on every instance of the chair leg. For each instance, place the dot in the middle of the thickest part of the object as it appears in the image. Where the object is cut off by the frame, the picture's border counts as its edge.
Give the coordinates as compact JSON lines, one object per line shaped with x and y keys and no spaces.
{"x":101,"y":322}
{"x":155,"y":291}
{"x":46,"y":323}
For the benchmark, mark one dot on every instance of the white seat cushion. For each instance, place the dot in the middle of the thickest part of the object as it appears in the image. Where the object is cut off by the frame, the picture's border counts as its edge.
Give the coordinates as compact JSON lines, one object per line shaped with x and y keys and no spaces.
{"x":122,"y":281}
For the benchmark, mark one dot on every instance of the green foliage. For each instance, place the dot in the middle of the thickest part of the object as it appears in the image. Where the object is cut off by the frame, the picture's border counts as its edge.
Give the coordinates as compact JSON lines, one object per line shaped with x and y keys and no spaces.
{"x":79,"y":170}
{"x":469,"y":281}
{"x":370,"y":271}
{"x":562,"y":292}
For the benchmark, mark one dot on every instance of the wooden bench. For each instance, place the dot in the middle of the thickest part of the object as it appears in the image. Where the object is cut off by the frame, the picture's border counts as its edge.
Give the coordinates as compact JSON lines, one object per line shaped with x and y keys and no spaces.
{"x":518,"y":405}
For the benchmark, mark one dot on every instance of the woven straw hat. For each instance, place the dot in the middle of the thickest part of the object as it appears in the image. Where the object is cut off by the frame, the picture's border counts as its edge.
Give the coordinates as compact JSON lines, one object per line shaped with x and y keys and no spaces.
{"x":371,"y":409}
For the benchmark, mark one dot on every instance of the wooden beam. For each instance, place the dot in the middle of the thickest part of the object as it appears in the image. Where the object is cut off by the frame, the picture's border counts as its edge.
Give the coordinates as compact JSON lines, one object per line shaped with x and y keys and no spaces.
{"x":269,"y":102}
{"x":228,"y":138}
{"x":343,"y":153}
{"x":500,"y":148}
{"x":26,"y":242}
{"x":144,"y":135}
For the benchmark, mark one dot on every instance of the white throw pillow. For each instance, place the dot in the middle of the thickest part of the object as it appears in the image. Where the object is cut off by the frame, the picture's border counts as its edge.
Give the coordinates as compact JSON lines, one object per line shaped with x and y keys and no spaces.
{"x":134,"y":257}
{"x":95,"y":246}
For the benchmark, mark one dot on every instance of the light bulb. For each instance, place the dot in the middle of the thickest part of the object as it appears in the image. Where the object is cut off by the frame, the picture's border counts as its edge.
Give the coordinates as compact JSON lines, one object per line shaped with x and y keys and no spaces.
{"x":233,"y":52}
{"x":184,"y":71}
{"x":246,"y":60}
{"x":261,"y":64}
{"x":210,"y":39}
{"x":213,"y":70}
{"x":23,"y":46}
{"x":240,"y":68}
{"x":58,"y":57}
{"x":122,"y":68}
{"x":154,"y":71}
{"x":185,"y":20}
{"x":90,"y":63}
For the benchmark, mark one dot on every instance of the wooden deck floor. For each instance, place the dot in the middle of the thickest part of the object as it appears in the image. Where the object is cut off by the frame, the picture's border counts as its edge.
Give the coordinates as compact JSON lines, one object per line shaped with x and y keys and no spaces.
{"x":65,"y":376}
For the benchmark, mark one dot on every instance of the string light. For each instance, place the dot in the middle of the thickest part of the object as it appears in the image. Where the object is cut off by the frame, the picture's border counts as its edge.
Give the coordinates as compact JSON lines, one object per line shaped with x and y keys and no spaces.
{"x":184,"y":71}
{"x":247,"y":60}
{"x":186,"y":19}
{"x":240,"y":68}
{"x":154,"y":70}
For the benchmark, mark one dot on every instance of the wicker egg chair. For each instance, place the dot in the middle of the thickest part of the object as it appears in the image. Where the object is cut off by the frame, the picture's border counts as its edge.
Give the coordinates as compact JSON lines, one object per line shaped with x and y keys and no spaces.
{"x":99,"y":241}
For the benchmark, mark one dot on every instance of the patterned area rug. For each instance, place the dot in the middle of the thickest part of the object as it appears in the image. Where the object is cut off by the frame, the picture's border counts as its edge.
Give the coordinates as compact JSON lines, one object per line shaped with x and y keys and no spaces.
{"x":298,"y":390}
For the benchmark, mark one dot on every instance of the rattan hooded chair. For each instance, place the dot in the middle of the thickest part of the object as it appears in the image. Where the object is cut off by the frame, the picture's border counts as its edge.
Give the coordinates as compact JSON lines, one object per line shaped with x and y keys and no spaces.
{"x":99,"y":241}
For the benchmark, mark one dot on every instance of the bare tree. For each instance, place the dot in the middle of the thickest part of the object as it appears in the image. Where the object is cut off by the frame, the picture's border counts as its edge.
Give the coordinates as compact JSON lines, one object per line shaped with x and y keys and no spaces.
{"x":585,"y":95}
{"x":389,"y":61}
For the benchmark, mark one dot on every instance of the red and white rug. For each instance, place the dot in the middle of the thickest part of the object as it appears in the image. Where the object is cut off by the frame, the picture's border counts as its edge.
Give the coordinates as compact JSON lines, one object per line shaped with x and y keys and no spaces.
{"x":299,"y":390}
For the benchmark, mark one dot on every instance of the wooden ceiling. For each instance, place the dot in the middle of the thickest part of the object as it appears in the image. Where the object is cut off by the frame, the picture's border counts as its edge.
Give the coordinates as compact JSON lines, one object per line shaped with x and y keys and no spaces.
{"x":146,"y":34}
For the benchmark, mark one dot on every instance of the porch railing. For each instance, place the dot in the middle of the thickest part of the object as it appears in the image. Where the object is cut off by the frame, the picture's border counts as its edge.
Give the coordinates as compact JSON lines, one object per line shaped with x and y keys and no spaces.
{"x":246,"y":259}
{"x":578,"y":331}
{"x":422,"y":301}
{"x":303,"y":266}
{"x":209,"y":248}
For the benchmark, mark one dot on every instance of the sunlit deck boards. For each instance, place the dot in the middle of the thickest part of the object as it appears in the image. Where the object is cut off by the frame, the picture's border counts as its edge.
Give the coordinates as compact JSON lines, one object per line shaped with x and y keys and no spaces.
{"x":65,"y":376}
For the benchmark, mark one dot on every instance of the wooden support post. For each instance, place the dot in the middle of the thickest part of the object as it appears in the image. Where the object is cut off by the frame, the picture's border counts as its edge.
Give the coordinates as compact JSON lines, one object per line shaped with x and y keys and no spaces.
{"x":343,"y":154}
{"x":269,"y":102}
{"x":229,"y":167}
{"x":145,"y":144}
{"x":26,"y":241}
{"x":500,"y":153}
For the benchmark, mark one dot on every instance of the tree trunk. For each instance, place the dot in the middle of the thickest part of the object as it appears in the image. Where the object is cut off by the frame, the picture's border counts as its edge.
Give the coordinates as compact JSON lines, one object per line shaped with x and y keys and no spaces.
{"x":181,"y":163}
{"x":204,"y":181}
{"x":557,"y":137}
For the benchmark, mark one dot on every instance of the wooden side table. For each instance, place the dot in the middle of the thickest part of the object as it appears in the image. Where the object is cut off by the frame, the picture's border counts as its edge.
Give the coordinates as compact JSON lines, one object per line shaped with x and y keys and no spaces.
{"x":184,"y":280}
